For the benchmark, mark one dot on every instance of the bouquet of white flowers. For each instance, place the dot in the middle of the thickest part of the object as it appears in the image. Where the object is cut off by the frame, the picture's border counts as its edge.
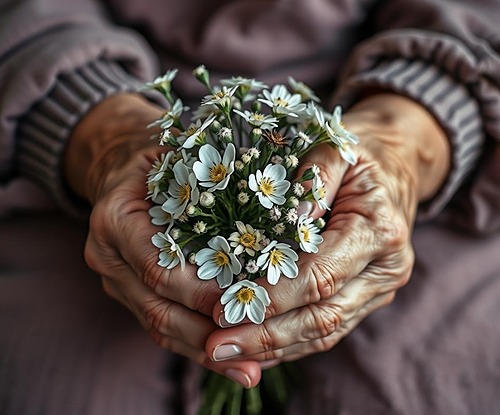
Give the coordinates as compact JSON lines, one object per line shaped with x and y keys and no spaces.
{"x":227,"y":190}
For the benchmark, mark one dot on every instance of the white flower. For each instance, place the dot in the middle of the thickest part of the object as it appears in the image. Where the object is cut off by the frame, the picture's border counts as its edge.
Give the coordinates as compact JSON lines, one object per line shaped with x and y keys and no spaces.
{"x":275,"y":213}
{"x":254,"y":152}
{"x":243,"y":198}
{"x":162,"y":83}
{"x":294,"y":201}
{"x":213,"y":171}
{"x":171,"y":116}
{"x":170,"y":253}
{"x":192,"y":258}
{"x":303,"y":140}
{"x":291,"y":161}
{"x":341,"y":137}
{"x":195,"y":133}
{"x":283,"y":102}
{"x":319,"y":192}
{"x":159,"y":216}
{"x":242,"y":184}
{"x":217,"y":261}
{"x":291,"y":216}
{"x":239,"y":165}
{"x":207,"y":199}
{"x":175,"y":233}
{"x":200,"y":227}
{"x":226,"y":134}
{"x":221,"y":98}
{"x":245,"y":298}
{"x":245,"y":239}
{"x":182,"y":190}
{"x":298,"y":189}
{"x":308,"y":234}
{"x":303,"y":90}
{"x":270,"y":186}
{"x":246,"y":85}
{"x":279,"y":228}
{"x":278,"y":258}
{"x":246,"y":158}
{"x":251,"y":267}
{"x":259,"y":120}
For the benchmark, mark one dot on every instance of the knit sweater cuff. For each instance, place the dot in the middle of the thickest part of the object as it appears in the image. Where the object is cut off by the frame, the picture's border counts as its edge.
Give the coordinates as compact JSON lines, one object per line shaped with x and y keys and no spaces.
{"x":448,"y":100}
{"x":44,"y":131}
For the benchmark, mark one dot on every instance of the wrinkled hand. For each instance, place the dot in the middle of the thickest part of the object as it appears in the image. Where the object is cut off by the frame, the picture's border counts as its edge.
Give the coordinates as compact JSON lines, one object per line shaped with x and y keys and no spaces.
{"x":366,"y":255}
{"x":108,"y":158}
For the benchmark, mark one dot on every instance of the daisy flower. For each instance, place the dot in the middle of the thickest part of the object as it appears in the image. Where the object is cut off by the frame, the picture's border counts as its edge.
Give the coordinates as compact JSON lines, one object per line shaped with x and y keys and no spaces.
{"x":245,"y":298}
{"x":258,"y":120}
{"x":319,"y":192}
{"x":170,"y":253}
{"x":306,"y":93}
{"x":214,"y":171}
{"x":182,"y":190}
{"x":195,"y":133}
{"x":278,"y":258}
{"x":162,"y":83}
{"x":221,"y":98}
{"x":341,"y":137}
{"x":270,"y":186}
{"x":245,"y":239}
{"x":282,"y":102}
{"x":159,"y":216}
{"x":217,"y":262}
{"x":308,"y":234}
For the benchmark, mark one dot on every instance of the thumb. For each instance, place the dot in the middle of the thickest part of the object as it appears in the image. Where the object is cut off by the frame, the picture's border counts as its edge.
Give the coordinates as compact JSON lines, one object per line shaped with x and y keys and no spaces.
{"x":332,"y":169}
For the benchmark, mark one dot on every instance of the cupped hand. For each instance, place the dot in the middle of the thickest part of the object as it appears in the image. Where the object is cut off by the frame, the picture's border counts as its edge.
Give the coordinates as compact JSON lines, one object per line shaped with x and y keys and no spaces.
{"x":366,"y":255}
{"x":107,"y":161}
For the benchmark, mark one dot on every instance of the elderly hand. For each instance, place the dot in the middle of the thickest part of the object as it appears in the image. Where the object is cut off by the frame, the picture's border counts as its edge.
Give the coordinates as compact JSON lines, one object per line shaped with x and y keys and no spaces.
{"x":107,"y":160}
{"x":366,"y":255}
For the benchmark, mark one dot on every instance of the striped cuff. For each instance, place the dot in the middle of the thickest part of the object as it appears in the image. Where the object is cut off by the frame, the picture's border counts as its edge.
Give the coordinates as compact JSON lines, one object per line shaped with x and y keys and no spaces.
{"x":446,"y":98}
{"x":43,"y":132}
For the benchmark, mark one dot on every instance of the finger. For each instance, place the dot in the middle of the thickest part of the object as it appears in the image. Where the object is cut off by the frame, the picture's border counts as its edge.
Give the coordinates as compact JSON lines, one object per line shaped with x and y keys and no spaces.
{"x":301,"y":326}
{"x":341,"y":257}
{"x":157,"y":314}
{"x":181,"y":286}
{"x":300,"y":350}
{"x":332,"y":169}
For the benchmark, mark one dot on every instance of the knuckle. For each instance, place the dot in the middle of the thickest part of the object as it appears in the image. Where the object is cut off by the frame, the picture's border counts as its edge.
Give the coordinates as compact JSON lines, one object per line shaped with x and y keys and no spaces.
{"x":321,"y":284}
{"x":390,"y":230}
{"x":157,"y":315}
{"x":323,"y":321}
{"x":266,"y":339}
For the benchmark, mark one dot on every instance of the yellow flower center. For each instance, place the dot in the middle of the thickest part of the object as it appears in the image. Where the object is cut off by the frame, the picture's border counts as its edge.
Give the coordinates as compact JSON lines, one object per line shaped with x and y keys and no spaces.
{"x":217,"y":173}
{"x":280,"y":102}
{"x":275,"y":257}
{"x":221,"y":259}
{"x":305,"y":233}
{"x":266,"y":186}
{"x":247,"y":239}
{"x":321,"y":192}
{"x":245,"y":295}
{"x":185,"y":192}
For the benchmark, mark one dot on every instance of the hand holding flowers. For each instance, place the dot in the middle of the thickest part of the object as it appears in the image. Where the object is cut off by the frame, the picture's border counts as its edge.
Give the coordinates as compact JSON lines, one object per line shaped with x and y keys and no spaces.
{"x":227,"y":187}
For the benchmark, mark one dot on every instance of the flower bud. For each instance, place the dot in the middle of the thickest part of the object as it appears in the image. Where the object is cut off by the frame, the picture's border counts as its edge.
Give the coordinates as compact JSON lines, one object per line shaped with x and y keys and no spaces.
{"x":207,"y":199}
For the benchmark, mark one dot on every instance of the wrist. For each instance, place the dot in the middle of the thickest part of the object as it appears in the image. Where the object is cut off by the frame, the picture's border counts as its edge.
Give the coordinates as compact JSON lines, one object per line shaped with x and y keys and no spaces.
{"x":402,"y":131}
{"x":118,"y":121}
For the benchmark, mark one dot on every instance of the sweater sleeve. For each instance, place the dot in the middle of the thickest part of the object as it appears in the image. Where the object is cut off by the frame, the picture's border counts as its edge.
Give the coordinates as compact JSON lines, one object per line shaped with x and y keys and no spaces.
{"x":54,"y":69}
{"x":446,"y":56}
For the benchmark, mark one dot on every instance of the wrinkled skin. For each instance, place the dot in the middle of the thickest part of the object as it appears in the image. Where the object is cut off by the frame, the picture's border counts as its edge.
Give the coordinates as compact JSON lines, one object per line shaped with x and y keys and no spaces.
{"x":365,"y":258}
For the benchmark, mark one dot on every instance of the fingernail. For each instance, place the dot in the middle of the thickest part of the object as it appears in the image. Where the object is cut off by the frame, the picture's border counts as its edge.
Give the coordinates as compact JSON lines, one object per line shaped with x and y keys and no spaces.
{"x":223,"y":322}
{"x":305,"y":207}
{"x":239,"y":377}
{"x":226,"y":351}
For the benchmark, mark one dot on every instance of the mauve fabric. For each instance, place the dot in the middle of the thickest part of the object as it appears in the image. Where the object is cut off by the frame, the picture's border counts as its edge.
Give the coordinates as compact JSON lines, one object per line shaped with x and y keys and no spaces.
{"x":66,"y":348}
